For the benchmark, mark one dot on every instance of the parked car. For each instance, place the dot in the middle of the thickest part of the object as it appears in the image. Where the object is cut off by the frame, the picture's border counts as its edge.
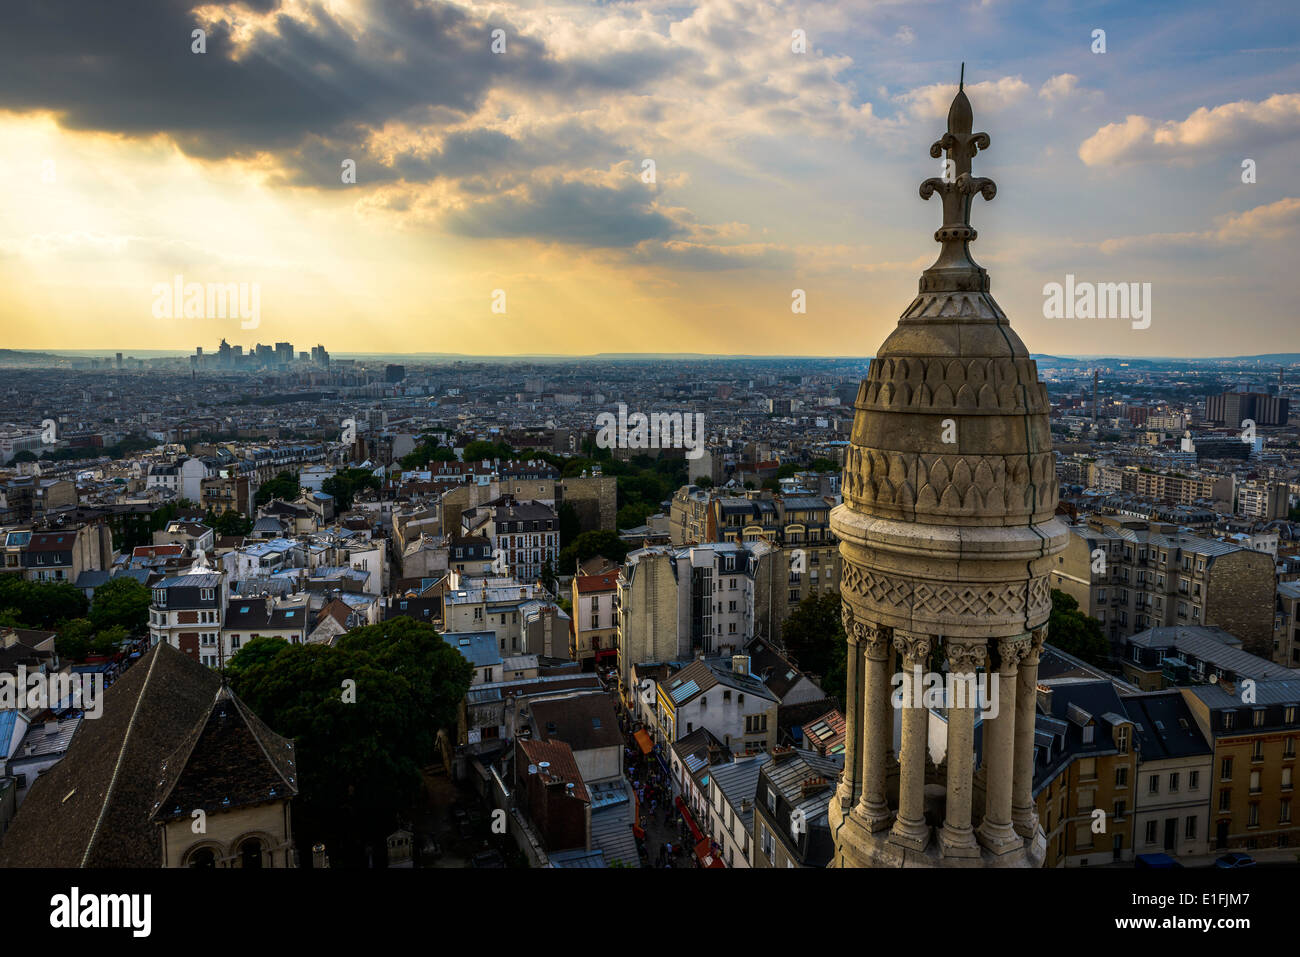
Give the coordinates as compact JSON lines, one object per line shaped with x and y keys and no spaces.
{"x":1235,"y":859}
{"x":1155,"y":861}
{"x":487,"y":859}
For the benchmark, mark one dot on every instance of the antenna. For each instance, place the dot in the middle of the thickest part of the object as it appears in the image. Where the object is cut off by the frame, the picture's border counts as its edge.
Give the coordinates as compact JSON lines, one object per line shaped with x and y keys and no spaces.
{"x":961,"y":84}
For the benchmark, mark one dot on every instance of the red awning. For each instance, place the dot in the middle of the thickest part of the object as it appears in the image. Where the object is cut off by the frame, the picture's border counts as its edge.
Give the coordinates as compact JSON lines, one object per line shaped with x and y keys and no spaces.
{"x":643,"y":741}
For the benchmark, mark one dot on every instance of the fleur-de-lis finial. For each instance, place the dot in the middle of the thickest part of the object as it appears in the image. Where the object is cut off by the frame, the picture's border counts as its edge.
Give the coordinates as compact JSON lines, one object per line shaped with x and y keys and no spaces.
{"x":957,"y":187}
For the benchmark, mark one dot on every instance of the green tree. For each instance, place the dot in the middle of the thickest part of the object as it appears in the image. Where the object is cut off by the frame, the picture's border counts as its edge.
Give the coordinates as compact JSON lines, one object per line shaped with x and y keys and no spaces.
{"x":704,"y":482}
{"x":347,"y":483}
{"x":284,"y":487}
{"x":41,"y":604}
{"x":229,"y":524}
{"x":364,"y":715}
{"x":589,"y":545}
{"x":109,"y":641}
{"x":1076,"y":633}
{"x":121,"y":601}
{"x":74,"y":639}
{"x":631,"y":516}
{"x":480,"y":449}
{"x":814,"y":637}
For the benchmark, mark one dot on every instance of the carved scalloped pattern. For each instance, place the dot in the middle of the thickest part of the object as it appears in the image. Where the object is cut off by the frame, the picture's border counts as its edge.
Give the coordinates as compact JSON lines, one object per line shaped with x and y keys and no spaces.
{"x":951,"y":485}
{"x":914,"y":383}
{"x":942,"y":599}
{"x":971,"y":304}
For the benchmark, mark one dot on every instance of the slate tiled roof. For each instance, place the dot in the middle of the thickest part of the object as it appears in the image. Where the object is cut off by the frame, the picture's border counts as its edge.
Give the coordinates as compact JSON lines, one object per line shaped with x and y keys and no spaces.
{"x":95,"y":807}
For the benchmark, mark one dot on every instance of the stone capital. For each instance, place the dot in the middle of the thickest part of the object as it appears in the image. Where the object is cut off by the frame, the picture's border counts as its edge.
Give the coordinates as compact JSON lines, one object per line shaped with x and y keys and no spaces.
{"x":966,"y":655}
{"x":1037,"y":638}
{"x":914,"y":648}
{"x":1011,"y":651}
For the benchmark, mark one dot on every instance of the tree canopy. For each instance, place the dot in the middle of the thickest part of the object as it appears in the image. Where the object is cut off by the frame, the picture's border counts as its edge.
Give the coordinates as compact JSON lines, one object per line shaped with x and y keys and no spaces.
{"x":364,"y":715}
{"x":1076,"y":633}
{"x":123,"y":602}
{"x":41,"y":604}
{"x":814,"y":636}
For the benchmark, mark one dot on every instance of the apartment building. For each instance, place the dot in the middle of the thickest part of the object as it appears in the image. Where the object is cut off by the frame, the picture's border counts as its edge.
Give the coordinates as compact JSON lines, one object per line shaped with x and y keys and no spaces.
{"x":1084,"y":763}
{"x":791,"y":799}
{"x":186,"y":613}
{"x":1263,"y":501}
{"x":1254,"y":730}
{"x":730,"y":796}
{"x":1286,"y":625}
{"x":710,"y":599}
{"x":61,"y":556}
{"x":1171,"y":810}
{"x":720,"y":695}
{"x":595,"y":619}
{"x":1132,"y":574}
{"x":1175,"y":487}
{"x":1172,"y":656}
{"x":525,"y":536}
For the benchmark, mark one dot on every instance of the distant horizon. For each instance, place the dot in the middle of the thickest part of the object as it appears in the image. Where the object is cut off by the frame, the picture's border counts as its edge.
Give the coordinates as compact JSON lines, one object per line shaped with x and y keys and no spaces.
{"x":128,"y":352}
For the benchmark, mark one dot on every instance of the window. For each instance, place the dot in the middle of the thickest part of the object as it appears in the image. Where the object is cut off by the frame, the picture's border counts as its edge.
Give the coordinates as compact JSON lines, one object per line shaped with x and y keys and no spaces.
{"x":1225,"y":800}
{"x":1286,"y":779}
{"x":1225,"y":770}
{"x":1193,"y":780}
{"x":1153,"y":786}
{"x":1189,"y":831}
{"x":1121,"y":777}
{"x":1257,"y":718}
{"x":1119,"y":810}
{"x":755,"y":723}
{"x":1253,"y":818}
{"x":1151,"y":832}
{"x":1173,"y":783}
{"x":771,"y":800}
{"x":1257,"y":751}
{"x":1284,"y":812}
{"x":1255,"y":786}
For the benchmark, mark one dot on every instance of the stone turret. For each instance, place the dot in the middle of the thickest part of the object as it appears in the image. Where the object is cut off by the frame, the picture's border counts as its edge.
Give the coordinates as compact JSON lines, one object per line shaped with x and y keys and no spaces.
{"x":947,"y":534}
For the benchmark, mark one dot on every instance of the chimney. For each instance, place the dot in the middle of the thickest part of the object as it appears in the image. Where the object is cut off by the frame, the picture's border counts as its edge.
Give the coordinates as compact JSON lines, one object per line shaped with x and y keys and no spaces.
{"x":810,"y":786}
{"x":782,"y":753}
{"x":740,"y":664}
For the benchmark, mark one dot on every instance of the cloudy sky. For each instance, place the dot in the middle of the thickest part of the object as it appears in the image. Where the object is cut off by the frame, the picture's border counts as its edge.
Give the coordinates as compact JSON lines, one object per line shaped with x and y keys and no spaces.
{"x":127,"y":159}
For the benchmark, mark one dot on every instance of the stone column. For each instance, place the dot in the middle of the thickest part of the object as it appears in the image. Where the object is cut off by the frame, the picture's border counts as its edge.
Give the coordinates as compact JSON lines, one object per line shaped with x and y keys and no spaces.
{"x":873,"y":807}
{"x":957,"y":837}
{"x":850,"y":789}
{"x":995,"y":832}
{"x":910,"y":829}
{"x":1024,"y":815}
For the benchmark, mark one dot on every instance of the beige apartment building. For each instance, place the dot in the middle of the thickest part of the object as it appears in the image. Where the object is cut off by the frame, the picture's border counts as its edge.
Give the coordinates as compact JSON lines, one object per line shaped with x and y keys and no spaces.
{"x":1176,"y":487}
{"x":1132,"y":574}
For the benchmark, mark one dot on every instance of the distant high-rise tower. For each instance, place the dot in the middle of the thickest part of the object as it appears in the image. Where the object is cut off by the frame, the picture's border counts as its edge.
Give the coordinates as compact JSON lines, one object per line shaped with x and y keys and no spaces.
{"x":947,"y":533}
{"x":1096,"y":376}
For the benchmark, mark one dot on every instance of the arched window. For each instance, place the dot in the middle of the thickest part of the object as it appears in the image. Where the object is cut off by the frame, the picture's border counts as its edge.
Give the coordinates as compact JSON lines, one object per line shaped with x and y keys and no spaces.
{"x":250,"y":853}
{"x":203,"y":857}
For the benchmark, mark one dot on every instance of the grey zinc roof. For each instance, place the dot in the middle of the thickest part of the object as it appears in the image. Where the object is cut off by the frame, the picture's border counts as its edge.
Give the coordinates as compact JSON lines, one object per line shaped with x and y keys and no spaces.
{"x":1266,"y":693}
{"x":1213,"y":645}
{"x":787,"y":776}
{"x":737,"y":782}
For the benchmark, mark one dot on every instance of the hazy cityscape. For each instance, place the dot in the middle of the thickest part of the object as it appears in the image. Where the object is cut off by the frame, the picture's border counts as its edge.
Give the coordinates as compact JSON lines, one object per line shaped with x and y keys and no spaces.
{"x":444,"y":438}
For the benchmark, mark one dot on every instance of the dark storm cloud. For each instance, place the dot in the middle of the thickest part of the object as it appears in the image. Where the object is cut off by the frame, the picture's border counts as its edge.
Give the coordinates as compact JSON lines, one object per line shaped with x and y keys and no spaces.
{"x":126,"y":66}
{"x":613,"y":216}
